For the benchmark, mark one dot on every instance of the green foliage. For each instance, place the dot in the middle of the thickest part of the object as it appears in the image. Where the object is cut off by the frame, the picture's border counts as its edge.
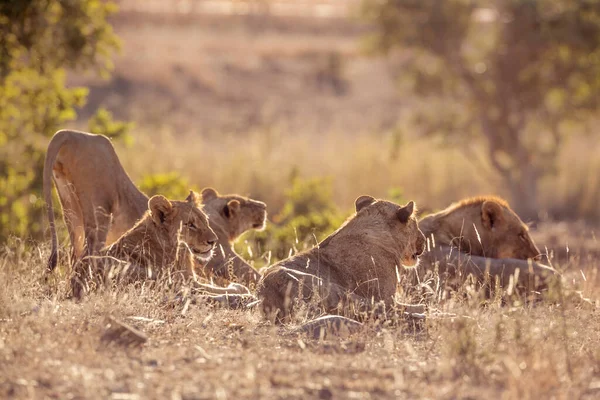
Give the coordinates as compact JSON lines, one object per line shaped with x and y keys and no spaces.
{"x":396,"y":195}
{"x":102,"y":123}
{"x":46,"y":35}
{"x":308,"y":216}
{"x":306,"y":197}
{"x":171,"y":184}
{"x":39,"y":40}
{"x":517,"y":75}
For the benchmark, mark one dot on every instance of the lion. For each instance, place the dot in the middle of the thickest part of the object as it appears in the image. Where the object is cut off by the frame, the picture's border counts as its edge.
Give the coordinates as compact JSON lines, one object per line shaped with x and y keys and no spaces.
{"x":481,"y":226}
{"x":171,"y":236}
{"x":229,"y":217}
{"x":357,"y":265}
{"x":100,"y":203}
{"x":483,"y":235}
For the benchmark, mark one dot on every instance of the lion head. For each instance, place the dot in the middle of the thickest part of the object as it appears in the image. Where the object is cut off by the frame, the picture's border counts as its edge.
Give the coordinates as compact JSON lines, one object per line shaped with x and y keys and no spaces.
{"x":482,"y":226}
{"x":183,"y":223}
{"x":232,"y":213}
{"x":383,"y":218}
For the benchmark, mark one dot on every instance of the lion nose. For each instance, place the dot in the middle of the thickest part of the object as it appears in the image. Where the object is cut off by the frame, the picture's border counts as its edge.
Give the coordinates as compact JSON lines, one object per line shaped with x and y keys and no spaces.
{"x":211,"y":242}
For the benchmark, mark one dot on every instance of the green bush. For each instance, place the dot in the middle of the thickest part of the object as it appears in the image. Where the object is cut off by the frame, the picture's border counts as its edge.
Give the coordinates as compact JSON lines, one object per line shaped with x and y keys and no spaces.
{"x":307,"y":217}
{"x":102,"y":123}
{"x":39,"y":41}
{"x":171,"y":185}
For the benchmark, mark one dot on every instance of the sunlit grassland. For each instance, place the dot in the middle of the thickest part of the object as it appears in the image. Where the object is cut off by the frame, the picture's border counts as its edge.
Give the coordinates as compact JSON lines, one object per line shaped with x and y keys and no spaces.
{"x":262,"y":164}
{"x":51,"y":346}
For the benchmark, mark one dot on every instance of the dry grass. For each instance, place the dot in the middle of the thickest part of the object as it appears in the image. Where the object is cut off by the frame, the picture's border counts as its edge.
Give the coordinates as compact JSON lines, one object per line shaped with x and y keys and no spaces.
{"x":236,"y":103}
{"x":53,"y":347}
{"x":237,"y":106}
{"x":261,"y":163}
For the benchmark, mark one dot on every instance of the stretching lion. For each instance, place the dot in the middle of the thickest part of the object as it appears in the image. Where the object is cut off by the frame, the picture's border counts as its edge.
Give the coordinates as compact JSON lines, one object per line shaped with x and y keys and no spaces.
{"x":172,"y":236}
{"x":100,"y":203}
{"x":355,"y":266}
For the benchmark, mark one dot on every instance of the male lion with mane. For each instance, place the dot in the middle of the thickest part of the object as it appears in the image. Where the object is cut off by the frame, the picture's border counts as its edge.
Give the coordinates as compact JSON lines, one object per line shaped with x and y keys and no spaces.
{"x":100,"y":203}
{"x":355,"y":266}
{"x":172,"y":236}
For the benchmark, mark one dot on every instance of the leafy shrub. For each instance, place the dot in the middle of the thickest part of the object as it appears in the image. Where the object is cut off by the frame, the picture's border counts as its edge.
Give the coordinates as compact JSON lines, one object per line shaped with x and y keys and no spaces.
{"x":171,"y":185}
{"x":102,"y":123}
{"x":307,"y":217}
{"x":39,"y":41}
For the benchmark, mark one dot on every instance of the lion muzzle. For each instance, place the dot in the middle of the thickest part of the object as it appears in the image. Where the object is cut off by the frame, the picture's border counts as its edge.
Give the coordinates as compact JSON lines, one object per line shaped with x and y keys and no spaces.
{"x":205,"y":252}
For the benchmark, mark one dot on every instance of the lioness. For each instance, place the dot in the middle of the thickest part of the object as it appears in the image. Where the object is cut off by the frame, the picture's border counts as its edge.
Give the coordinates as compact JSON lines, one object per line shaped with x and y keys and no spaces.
{"x":481,"y":226}
{"x":171,"y":235}
{"x":229,"y":217}
{"x":100,"y":203}
{"x":479,"y":235}
{"x":357,"y":263}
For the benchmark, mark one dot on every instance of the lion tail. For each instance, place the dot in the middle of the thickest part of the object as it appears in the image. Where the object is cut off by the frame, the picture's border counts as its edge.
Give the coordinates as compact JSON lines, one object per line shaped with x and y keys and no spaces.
{"x":54,"y":147}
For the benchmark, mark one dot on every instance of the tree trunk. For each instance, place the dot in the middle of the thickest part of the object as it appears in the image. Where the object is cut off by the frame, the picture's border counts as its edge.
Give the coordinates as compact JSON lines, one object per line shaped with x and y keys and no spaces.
{"x":523,"y":188}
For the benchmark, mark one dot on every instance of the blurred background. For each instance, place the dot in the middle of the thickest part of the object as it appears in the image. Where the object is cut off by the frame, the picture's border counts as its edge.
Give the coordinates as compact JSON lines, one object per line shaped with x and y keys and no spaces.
{"x":308,"y":104}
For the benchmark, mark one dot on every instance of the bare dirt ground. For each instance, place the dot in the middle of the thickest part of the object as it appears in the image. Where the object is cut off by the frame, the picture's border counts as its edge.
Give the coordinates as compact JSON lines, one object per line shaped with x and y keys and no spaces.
{"x":52,"y":347}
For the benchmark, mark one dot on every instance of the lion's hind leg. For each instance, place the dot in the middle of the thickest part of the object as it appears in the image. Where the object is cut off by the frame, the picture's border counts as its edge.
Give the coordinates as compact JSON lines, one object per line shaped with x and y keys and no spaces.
{"x":72,"y":215}
{"x":97,"y":220}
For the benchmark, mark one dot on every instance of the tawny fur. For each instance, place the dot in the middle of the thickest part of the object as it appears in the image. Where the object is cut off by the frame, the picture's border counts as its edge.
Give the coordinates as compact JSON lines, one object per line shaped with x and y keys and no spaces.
{"x":100,"y":203}
{"x":481,"y":226}
{"x":172,"y":236}
{"x":360,"y":260}
{"x":483,"y":237}
{"x":229,"y":217}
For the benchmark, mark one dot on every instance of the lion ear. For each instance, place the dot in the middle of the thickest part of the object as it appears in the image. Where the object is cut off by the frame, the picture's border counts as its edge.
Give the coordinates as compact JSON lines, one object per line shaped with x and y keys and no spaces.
{"x":363,"y":201}
{"x":491,"y":214}
{"x":194,"y":198}
{"x":404,"y":213}
{"x":209,"y":194}
{"x":159,"y":207}
{"x":232,"y":208}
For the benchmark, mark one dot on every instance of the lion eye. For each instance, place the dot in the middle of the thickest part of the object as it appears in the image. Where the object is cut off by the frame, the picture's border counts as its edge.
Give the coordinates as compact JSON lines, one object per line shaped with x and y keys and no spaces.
{"x":191,"y":225}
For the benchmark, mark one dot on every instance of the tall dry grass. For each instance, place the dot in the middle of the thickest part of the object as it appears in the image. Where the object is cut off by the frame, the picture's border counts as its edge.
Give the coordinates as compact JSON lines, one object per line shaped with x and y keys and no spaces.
{"x":51,"y":346}
{"x":262,"y":163}
{"x":248,"y":102}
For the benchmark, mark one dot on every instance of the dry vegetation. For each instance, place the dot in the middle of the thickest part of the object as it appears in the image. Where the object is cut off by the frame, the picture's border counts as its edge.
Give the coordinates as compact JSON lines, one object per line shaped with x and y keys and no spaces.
{"x":51,"y":346}
{"x":261,"y":164}
{"x":243,"y":96}
{"x":253,"y":98}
